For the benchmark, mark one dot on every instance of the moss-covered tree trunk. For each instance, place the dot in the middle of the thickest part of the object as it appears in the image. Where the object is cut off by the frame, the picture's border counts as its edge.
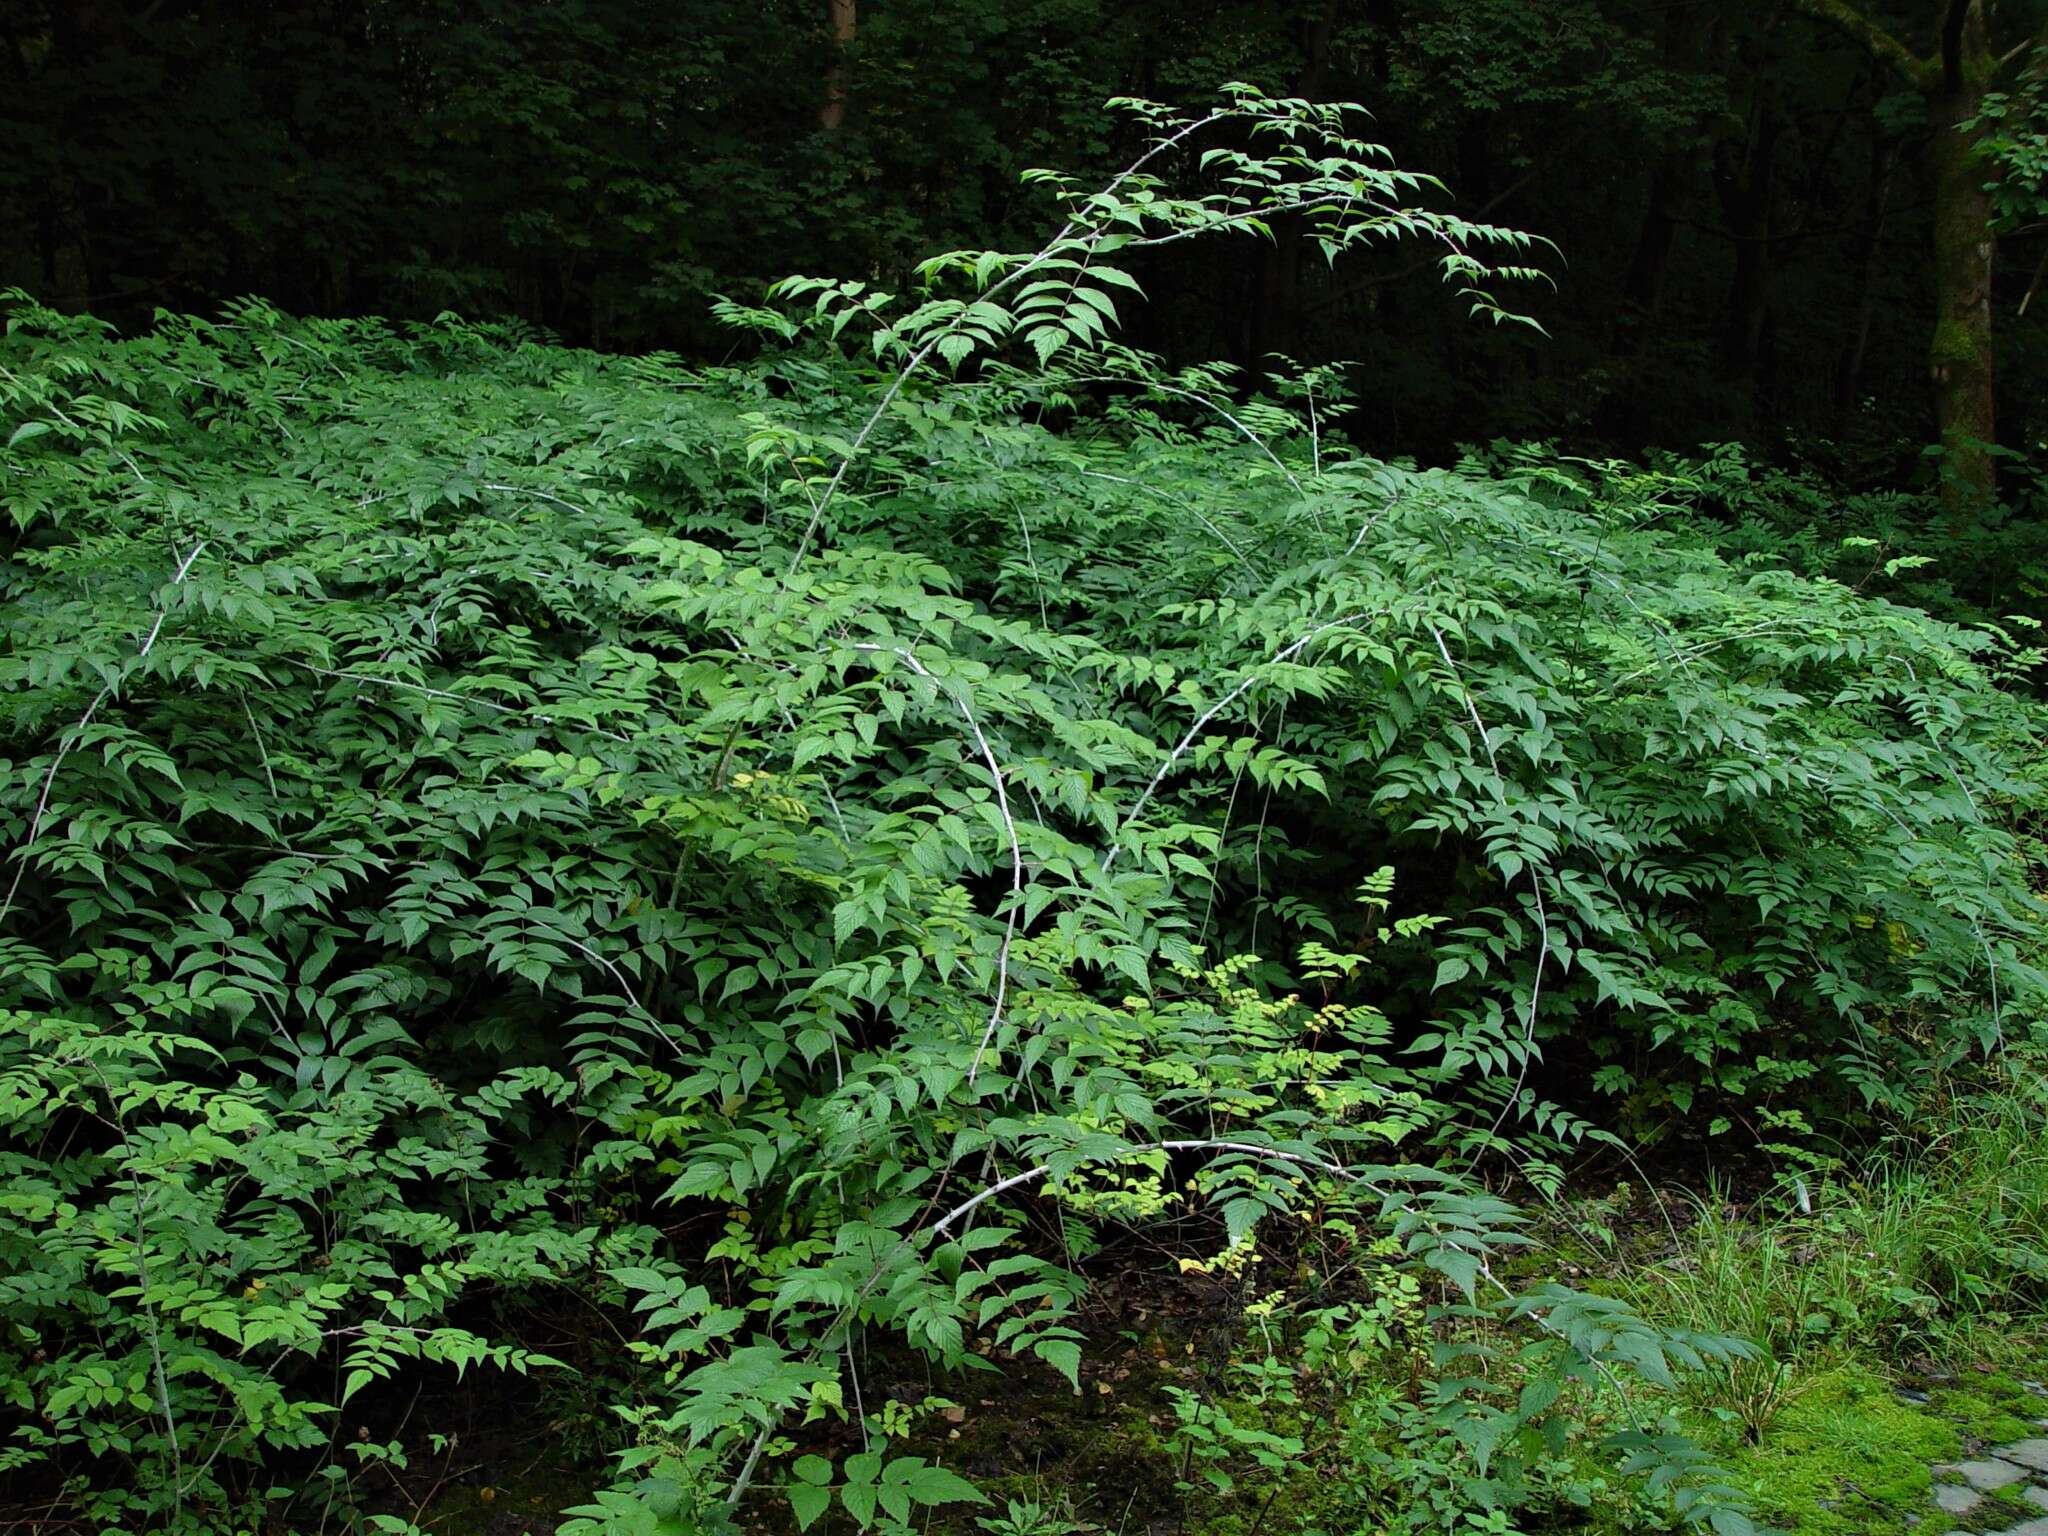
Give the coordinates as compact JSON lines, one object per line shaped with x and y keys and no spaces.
{"x":1953,"y":79}
{"x":1960,"y":358}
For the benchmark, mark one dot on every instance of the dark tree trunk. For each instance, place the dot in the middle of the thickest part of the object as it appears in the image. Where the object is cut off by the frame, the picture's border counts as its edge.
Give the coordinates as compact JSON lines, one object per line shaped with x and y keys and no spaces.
{"x":843,"y":17}
{"x":1654,"y":240}
{"x":1746,"y":185}
{"x":1960,"y":358}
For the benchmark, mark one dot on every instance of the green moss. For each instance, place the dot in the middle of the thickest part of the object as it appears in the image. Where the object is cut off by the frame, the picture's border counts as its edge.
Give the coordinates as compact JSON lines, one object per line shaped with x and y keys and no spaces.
{"x":1302,"y":1502}
{"x":1847,"y":1457}
{"x":1995,"y":1409}
{"x":2002,"y":1509}
{"x":1956,"y":344}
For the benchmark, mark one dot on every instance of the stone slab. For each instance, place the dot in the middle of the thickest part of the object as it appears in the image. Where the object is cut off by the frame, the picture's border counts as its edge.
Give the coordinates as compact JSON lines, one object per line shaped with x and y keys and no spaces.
{"x":1956,"y":1499}
{"x":2028,"y":1453}
{"x":1984,"y":1475}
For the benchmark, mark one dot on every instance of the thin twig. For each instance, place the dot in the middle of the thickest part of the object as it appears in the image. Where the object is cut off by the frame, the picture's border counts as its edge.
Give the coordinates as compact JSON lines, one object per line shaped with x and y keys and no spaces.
{"x":1500,"y":789}
{"x":147,"y":1299}
{"x":1200,"y":399}
{"x":1285,"y":653}
{"x":1180,"y":501}
{"x":626,"y":987}
{"x":918,"y":358}
{"x":1016,"y":901}
{"x":66,"y":747}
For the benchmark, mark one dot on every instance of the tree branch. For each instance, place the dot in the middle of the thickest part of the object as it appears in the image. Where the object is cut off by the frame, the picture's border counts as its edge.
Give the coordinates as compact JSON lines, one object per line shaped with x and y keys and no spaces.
{"x":2023,"y":47}
{"x":1883,"y":47}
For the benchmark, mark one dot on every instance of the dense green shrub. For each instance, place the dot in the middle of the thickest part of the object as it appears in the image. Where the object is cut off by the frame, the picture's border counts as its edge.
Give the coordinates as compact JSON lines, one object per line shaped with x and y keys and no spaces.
{"x":426,"y":764}
{"x":1764,"y":821}
{"x":1892,"y":542}
{"x":479,"y":811}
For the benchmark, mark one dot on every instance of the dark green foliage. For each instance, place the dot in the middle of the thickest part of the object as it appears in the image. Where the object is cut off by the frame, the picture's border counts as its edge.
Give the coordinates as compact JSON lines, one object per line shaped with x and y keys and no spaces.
{"x":812,"y":860}
{"x":452,"y":831}
{"x":1764,"y":824}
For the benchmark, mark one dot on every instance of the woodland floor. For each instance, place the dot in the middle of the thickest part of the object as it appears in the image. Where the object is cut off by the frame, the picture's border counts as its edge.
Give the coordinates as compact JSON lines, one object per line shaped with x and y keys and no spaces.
{"x":1858,"y":1446}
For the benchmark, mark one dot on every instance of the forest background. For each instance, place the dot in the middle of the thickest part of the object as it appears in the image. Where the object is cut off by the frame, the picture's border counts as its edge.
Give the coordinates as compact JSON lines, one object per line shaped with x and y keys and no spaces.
{"x":1743,"y":194}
